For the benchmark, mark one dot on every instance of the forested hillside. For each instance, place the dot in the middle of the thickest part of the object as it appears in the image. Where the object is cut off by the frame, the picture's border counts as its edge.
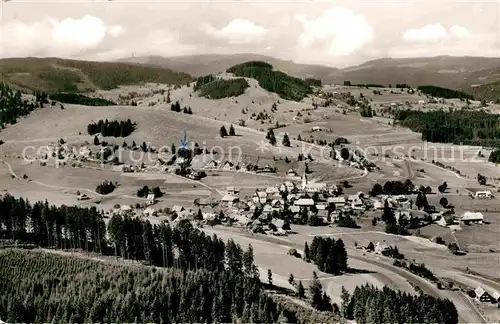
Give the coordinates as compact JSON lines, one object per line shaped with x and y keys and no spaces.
{"x":208,"y":280}
{"x":12,"y":106}
{"x":285,"y":86}
{"x":62,"y":75}
{"x":460,"y":126}
{"x":213,"y":88}
{"x":79,"y":99}
{"x":443,"y":92}
{"x":369,"y":304}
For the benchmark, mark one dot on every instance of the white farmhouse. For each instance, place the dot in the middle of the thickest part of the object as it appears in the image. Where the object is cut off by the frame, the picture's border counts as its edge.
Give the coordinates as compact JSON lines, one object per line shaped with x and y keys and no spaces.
{"x":472,"y":217}
{"x":483,"y":194}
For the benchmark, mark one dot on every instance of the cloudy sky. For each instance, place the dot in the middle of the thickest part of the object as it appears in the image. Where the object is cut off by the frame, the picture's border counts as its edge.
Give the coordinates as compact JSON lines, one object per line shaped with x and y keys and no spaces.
{"x":335,"y":33}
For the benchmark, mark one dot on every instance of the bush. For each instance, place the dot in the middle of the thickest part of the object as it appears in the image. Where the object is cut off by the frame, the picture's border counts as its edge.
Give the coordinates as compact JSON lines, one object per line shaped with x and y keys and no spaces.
{"x":294,"y":253}
{"x":105,"y":188}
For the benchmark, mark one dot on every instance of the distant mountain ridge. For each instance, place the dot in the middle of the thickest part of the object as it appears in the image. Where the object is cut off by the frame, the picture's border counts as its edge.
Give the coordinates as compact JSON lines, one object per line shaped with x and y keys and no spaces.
{"x":200,"y":65}
{"x":54,"y":74}
{"x":445,"y":71}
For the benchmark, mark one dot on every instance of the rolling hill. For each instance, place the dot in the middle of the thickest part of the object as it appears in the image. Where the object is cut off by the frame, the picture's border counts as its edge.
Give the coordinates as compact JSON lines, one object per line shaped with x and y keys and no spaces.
{"x":200,"y":65}
{"x":54,"y":74}
{"x":444,"y":71}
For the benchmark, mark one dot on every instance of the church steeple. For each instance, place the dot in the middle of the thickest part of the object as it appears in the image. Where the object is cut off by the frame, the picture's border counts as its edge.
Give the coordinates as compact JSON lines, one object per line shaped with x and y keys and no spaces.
{"x":304,"y":179}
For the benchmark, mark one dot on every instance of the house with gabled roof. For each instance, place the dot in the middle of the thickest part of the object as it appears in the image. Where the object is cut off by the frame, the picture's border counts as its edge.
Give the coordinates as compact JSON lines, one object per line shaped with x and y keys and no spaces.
{"x":212,"y":164}
{"x":260,"y":197}
{"x":227,"y":166}
{"x":482,"y":295}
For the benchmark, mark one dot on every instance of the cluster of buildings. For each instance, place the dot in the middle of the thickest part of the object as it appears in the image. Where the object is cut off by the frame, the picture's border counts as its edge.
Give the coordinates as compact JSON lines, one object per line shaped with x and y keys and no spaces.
{"x":448,"y":218}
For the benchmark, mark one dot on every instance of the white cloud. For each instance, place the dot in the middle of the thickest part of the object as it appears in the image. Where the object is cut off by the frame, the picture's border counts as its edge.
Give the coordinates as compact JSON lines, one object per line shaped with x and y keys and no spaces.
{"x":116,"y":31}
{"x":342,"y":30}
{"x":458,"y":42}
{"x":459,"y":32}
{"x":434,"y":33}
{"x":237,"y":31}
{"x":87,"y":32}
{"x":51,"y":37}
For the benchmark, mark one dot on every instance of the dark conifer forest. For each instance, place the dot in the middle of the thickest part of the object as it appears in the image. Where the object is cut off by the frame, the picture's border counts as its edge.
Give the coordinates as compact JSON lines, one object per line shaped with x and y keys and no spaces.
{"x":460,"y":126}
{"x":443,"y":92}
{"x":207,"y":280}
{"x":368,"y":304}
{"x":12,"y":106}
{"x":79,"y":99}
{"x":111,"y":128}
{"x":287,"y":87}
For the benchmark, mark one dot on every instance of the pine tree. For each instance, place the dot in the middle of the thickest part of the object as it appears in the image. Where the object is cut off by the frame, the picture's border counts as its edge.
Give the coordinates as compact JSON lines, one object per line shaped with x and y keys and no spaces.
{"x":269,"y":277}
{"x":168,"y":97}
{"x":301,"y":292}
{"x":270,"y":136}
{"x":96,"y":140}
{"x":345,"y":302}
{"x":231,"y":131}
{"x":223,"y":132}
{"x":307,"y":255}
{"x":291,"y":279}
{"x":316,"y":292}
{"x":286,"y":140}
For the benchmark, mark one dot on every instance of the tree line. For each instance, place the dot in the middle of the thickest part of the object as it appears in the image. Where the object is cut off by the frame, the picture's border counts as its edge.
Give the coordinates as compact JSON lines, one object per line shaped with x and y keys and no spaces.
{"x":457,"y":126}
{"x":145,"y":191}
{"x":177,"y":108}
{"x":443,"y":92}
{"x":368,"y":304}
{"x":328,"y":254}
{"x":287,"y":87}
{"x":111,"y":128}
{"x":79,"y":99}
{"x":393,"y":188}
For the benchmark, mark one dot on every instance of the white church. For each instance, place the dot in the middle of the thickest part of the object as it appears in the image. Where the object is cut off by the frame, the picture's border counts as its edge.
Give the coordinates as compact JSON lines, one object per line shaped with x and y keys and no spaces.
{"x":312,"y":186}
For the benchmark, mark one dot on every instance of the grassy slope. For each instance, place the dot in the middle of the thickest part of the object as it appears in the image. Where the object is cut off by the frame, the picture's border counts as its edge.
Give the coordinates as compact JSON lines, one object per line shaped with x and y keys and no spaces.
{"x":53,"y":74}
{"x":489,"y":92}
